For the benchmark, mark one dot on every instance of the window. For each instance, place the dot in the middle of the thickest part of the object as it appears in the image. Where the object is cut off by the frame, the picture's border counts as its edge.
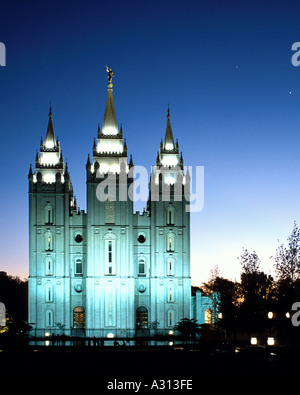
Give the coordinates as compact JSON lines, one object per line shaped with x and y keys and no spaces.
{"x":142,"y":267}
{"x":170,"y":266}
{"x":141,"y":239}
{"x":49,"y":266}
{"x":110,"y":306}
{"x":109,"y":211}
{"x":48,"y":241}
{"x":171,"y":296}
{"x":110,"y":257}
{"x":170,"y":215}
{"x":207,"y":316}
{"x":170,"y":242}
{"x":49,"y":293}
{"x":78,"y":238}
{"x":49,"y":318}
{"x":78,"y":267}
{"x":170,"y":321}
{"x":48,"y":214}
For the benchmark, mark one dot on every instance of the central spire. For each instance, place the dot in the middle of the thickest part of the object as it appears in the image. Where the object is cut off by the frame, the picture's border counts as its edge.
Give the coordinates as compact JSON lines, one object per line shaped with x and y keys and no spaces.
{"x":110,"y":125}
{"x":50,"y":137}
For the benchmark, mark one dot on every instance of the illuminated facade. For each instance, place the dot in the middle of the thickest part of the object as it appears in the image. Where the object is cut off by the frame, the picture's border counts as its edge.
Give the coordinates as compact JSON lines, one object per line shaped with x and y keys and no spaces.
{"x":108,"y":270}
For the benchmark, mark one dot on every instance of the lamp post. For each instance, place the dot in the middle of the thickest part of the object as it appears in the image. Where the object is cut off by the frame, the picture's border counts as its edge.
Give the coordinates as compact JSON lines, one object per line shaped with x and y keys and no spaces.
{"x":270,"y":340}
{"x":270,"y":315}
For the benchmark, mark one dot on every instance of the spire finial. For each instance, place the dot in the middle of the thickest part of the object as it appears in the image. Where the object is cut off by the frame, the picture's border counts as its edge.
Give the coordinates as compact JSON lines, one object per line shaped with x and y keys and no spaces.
{"x":110,"y":76}
{"x":168,"y":114}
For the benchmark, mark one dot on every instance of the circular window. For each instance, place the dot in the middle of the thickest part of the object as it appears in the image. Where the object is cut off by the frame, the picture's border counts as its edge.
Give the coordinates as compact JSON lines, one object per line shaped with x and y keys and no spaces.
{"x":141,"y":239}
{"x":78,"y":288}
{"x":141,"y":288}
{"x":78,"y":238}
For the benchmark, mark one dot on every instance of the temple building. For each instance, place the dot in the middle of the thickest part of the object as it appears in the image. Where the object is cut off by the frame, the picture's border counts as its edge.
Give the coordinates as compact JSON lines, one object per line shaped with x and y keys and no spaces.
{"x":109,"y":271}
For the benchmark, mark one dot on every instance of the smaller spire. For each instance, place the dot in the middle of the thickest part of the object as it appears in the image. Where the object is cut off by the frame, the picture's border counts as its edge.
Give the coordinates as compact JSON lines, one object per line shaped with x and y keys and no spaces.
{"x":130,"y":162}
{"x":169,"y":140}
{"x":30,"y":174}
{"x":157,"y":159}
{"x":66,"y":174}
{"x":50,"y":137}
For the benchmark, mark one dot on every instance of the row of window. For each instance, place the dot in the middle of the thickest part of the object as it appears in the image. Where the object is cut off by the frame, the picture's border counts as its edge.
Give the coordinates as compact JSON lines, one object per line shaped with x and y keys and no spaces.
{"x":109,"y":213}
{"x":109,"y":244}
{"x":109,"y":294}
{"x":79,"y":318}
{"x":110,"y":267}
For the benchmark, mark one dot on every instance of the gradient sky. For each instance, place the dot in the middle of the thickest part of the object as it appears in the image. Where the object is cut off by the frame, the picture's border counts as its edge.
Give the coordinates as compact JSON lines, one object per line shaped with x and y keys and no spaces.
{"x":224,"y":67}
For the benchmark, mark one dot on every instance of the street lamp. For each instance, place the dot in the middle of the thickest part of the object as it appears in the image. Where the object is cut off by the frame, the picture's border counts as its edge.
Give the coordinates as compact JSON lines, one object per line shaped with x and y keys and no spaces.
{"x":270,"y":315}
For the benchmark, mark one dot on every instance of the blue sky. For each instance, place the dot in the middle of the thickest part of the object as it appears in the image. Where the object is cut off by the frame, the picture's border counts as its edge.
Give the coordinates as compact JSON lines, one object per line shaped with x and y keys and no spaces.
{"x":223,"y":66}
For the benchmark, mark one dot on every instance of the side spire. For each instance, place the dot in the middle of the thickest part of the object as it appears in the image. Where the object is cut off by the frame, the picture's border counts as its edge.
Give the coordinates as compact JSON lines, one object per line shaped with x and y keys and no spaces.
{"x":169,"y":140}
{"x":50,"y":137}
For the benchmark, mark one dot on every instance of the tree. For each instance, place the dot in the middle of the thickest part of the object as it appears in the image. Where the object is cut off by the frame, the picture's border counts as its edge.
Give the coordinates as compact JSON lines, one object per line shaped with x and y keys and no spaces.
{"x":287,"y":259}
{"x":255,"y":291}
{"x":250,"y":262}
{"x":255,"y":284}
{"x":228,"y":302}
{"x":287,"y":267}
{"x":188,"y":327}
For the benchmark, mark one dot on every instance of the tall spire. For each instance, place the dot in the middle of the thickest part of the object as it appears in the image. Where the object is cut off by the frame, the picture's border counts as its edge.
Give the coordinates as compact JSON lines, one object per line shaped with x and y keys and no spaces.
{"x":169,"y":140}
{"x":110,"y":125}
{"x":50,"y":137}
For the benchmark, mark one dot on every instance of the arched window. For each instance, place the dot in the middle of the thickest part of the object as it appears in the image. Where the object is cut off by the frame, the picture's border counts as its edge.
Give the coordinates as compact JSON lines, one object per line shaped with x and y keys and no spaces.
{"x":170,"y":266}
{"x":170,"y":215}
{"x":207,"y":316}
{"x":49,"y":266}
{"x":110,"y":257}
{"x":171,"y":294}
{"x":109,"y":211}
{"x":171,"y":318}
{"x":142,"y":267}
{"x":110,"y":306}
{"x":171,"y":242}
{"x":49,"y":293}
{"x":78,"y":317}
{"x":48,"y":241}
{"x":49,"y":318}
{"x":78,"y":267}
{"x":110,"y":254}
{"x":48,"y":214}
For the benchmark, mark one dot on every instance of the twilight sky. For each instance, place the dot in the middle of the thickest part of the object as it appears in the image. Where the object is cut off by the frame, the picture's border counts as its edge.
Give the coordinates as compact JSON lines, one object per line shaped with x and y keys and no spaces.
{"x":224,"y":67}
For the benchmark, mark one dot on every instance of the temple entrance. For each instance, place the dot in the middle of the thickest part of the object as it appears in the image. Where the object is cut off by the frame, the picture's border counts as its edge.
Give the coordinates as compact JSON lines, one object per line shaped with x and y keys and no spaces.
{"x":142,"y":317}
{"x":79,"y":321}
